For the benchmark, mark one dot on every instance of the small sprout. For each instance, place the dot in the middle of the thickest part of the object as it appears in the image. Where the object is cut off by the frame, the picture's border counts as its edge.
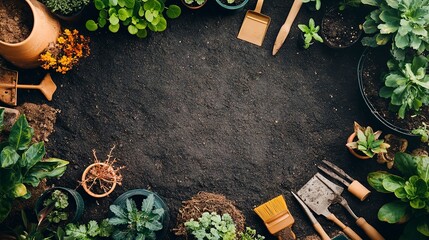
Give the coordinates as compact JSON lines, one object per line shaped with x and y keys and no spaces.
{"x":368,"y":141}
{"x":310,"y":33}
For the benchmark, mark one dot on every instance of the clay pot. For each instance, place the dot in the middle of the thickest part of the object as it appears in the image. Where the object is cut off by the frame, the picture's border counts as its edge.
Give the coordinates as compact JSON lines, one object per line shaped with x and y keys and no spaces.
{"x":46,"y":29}
{"x":352,"y":151}
{"x":193,"y":7}
{"x":86,"y":184}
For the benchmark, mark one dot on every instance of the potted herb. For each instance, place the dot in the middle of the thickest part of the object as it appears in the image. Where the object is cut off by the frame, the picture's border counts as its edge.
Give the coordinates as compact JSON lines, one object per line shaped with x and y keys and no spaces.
{"x":423,"y":132}
{"x":100,"y":178}
{"x":309,"y":34}
{"x":22,"y":158}
{"x":66,"y":52}
{"x":367,"y":142}
{"x":194,"y":4}
{"x":90,"y":231}
{"x":68,"y":205}
{"x":132,"y":220}
{"x":232,"y":4}
{"x":68,"y":10}
{"x":34,"y":28}
{"x":411,"y":190}
{"x":137,"y":16}
{"x":212,"y":225}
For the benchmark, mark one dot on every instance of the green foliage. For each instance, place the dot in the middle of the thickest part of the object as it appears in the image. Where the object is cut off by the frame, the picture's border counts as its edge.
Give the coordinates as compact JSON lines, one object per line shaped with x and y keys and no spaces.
{"x":310,"y":33}
{"x":130,"y":223}
{"x":198,"y":2}
{"x":212,"y":226}
{"x":89,"y":231}
{"x":423,"y":131}
{"x":348,"y":3}
{"x":368,"y":141}
{"x":60,"y":202}
{"x":411,"y":189}
{"x":318,"y":3}
{"x":405,"y":22}
{"x":65,"y":7}
{"x":407,"y":85}
{"x":21,"y":164}
{"x":136,"y":15}
{"x":250,"y":234}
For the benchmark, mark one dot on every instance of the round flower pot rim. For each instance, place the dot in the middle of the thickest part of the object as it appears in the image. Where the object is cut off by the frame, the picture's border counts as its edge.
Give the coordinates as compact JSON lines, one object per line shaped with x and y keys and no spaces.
{"x":85,"y":186}
{"x":375,"y":113}
{"x":352,"y":151}
{"x":232,"y":7}
{"x":193,"y":7}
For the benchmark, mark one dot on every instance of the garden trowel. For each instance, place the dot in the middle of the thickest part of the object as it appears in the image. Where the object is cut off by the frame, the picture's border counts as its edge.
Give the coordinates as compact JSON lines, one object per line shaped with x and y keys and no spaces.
{"x":254,"y":25}
{"x":369,"y":230}
{"x":9,"y":85}
{"x":318,"y":197}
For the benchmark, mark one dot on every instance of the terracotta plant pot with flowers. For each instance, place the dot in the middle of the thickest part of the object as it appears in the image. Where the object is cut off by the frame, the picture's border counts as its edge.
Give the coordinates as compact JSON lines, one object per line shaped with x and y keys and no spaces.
{"x":100,"y":178}
{"x":44,"y":30}
{"x":367,"y":144}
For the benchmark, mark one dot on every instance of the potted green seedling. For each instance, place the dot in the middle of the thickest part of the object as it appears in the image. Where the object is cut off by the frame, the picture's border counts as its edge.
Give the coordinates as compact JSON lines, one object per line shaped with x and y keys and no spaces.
{"x":68,"y":10}
{"x":309,"y":34}
{"x":90,"y":231}
{"x":194,"y":4}
{"x":367,"y":143}
{"x":423,"y":132}
{"x":232,"y":4}
{"x":210,"y":225}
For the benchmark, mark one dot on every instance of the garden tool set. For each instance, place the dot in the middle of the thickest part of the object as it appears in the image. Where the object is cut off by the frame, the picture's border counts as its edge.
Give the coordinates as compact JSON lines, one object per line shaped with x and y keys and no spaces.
{"x":255,"y":25}
{"x":9,"y":86}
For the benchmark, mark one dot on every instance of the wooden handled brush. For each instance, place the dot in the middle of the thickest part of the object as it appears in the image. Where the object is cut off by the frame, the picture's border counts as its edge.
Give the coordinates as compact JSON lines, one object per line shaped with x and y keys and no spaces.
{"x":277,"y":218}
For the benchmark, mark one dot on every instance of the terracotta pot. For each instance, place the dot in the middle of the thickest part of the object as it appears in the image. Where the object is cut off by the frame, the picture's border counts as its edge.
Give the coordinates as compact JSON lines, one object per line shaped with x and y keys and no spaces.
{"x":193,"y":7}
{"x":86,"y":184}
{"x":352,"y":151}
{"x":46,"y":29}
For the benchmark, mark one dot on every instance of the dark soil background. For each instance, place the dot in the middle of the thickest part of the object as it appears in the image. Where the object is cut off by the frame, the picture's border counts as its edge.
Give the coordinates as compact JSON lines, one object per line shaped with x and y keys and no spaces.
{"x":196,"y":109}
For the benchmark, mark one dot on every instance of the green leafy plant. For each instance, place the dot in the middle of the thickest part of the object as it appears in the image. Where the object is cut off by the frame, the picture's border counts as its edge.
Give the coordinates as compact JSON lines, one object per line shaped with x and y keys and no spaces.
{"x":65,"y":7}
{"x":21,"y":164}
{"x":60,"y":202}
{"x":368,"y":141}
{"x":136,"y":15}
{"x":348,"y":3}
{"x":212,"y":226}
{"x":250,"y":234}
{"x":405,"y":22}
{"x":310,"y":33}
{"x":407,"y":85}
{"x":411,"y":189}
{"x":423,"y":131}
{"x":198,"y":2}
{"x":130,"y":223}
{"x":89,"y":231}
{"x":318,"y":3}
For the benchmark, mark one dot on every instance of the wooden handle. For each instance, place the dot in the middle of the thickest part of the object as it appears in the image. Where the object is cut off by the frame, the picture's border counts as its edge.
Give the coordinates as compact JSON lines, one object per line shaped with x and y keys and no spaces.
{"x":369,"y":230}
{"x":321,"y":232}
{"x":359,"y":190}
{"x":258,"y":7}
{"x":347,"y":230}
{"x":286,"y":234}
{"x":285,"y":29}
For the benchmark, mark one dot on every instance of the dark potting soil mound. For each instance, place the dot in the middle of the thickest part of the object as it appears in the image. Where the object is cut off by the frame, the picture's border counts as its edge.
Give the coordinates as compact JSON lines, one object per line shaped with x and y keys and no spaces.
{"x":207,"y":202}
{"x":16,"y":21}
{"x":341,"y":28}
{"x":41,"y":118}
{"x":372,"y":78}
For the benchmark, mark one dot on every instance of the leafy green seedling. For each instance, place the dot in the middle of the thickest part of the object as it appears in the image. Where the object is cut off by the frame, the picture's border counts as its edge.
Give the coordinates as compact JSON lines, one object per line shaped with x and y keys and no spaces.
{"x":198,"y":2}
{"x":318,"y":3}
{"x":250,"y":234}
{"x":368,"y":141}
{"x":89,"y":231}
{"x":310,"y":33}
{"x":423,"y":131}
{"x":60,"y":202}
{"x":212,"y":226}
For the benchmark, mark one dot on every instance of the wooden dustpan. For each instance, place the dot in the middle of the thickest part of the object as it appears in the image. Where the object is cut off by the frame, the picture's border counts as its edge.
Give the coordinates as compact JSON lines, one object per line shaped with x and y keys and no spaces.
{"x":9,"y":85}
{"x":254,"y":25}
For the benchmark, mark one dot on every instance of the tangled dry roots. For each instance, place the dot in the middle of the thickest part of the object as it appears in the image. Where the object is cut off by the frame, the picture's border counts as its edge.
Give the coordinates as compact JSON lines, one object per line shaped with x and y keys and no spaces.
{"x":207,"y":202}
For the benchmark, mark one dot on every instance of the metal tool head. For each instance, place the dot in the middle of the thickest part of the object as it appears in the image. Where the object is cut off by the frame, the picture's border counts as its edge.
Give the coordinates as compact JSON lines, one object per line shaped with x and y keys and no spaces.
{"x":317,"y":196}
{"x":334,"y":187}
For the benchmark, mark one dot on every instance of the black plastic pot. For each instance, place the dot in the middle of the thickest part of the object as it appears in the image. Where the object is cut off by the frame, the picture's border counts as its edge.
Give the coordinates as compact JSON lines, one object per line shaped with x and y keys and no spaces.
{"x":75,"y":200}
{"x":141,"y":194}
{"x":413,"y":139}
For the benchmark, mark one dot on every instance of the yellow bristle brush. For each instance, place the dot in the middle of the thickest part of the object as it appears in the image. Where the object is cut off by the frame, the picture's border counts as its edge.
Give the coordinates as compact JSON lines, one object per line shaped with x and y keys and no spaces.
{"x":277,"y":218}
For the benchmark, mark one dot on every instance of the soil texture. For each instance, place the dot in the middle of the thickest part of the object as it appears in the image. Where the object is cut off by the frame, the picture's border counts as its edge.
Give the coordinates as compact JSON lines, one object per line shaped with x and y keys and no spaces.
{"x":341,"y":29}
{"x":41,"y":117}
{"x":373,"y":71}
{"x":16,"y":21}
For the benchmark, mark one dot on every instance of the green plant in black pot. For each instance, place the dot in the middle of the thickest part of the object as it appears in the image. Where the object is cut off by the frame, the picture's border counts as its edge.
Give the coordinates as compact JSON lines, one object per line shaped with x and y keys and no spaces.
{"x":65,"y":7}
{"x":412,"y":190}
{"x":22,"y":164}
{"x":90,"y":231}
{"x":136,"y":15}
{"x":60,"y":201}
{"x":405,"y":22}
{"x":423,"y":131}
{"x":212,"y":226}
{"x":310,"y":33}
{"x":131,"y":223}
{"x":407,"y":85}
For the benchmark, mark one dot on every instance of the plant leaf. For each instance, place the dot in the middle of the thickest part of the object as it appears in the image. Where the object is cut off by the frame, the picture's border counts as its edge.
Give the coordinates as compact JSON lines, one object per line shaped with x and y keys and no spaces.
{"x":375,"y":179}
{"x":393,"y":212}
{"x":406,"y":164}
{"x":8,"y":157}
{"x":20,"y":134}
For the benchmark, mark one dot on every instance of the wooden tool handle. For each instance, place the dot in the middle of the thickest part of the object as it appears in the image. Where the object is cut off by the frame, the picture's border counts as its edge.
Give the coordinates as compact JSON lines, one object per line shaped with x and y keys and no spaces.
{"x":347,"y":230}
{"x":258,"y":7}
{"x":286,"y":234}
{"x":359,"y":190}
{"x":321,"y":231}
{"x":369,"y":230}
{"x":285,"y":29}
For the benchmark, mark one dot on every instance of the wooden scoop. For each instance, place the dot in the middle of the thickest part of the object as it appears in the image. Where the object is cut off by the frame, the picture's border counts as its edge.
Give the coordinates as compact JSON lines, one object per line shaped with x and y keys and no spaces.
{"x":254,"y":25}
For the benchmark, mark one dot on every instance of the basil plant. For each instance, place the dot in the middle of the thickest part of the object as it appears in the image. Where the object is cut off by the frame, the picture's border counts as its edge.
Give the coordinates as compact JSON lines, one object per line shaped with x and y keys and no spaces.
{"x":411,"y":189}
{"x":405,"y":22}
{"x":22,"y":164}
{"x":407,"y":85}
